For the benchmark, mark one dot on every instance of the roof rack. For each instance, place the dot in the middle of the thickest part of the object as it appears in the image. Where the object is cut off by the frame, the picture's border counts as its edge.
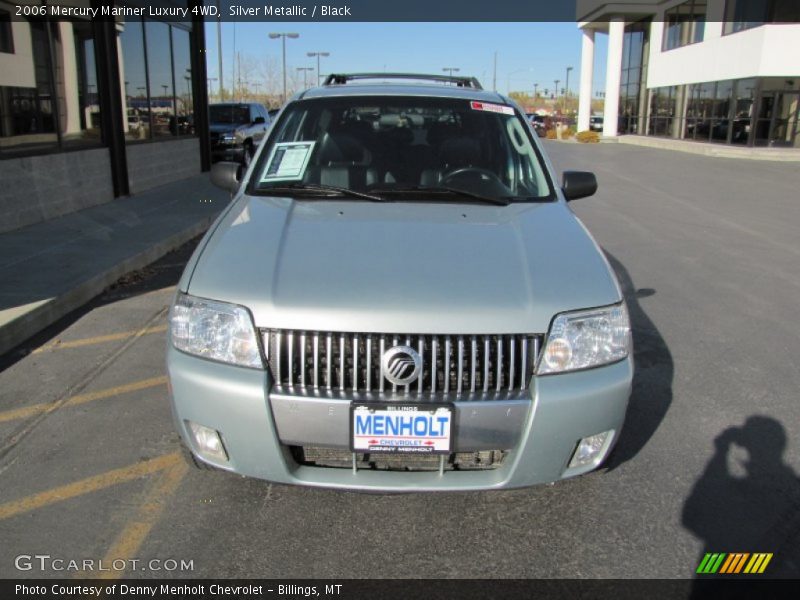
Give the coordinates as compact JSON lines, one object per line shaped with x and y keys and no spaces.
{"x":343,"y":78}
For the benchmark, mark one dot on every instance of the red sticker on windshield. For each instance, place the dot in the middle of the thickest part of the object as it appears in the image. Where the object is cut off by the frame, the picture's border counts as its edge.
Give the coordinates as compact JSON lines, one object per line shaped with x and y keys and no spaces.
{"x":496,"y":108}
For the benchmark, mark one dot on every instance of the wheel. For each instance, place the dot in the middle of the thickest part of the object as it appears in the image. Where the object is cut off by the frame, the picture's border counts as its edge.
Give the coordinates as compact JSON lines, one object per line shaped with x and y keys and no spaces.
{"x":247,"y":154}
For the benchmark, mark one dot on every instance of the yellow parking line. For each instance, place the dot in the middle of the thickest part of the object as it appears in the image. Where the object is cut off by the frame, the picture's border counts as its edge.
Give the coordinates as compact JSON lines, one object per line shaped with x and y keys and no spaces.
{"x":131,"y":538}
{"x":28,"y":411}
{"x":88,"y":485}
{"x":58,"y":345}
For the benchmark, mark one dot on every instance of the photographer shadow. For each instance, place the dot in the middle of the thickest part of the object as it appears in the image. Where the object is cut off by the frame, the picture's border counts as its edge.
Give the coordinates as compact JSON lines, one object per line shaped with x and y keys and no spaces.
{"x":747,"y":501}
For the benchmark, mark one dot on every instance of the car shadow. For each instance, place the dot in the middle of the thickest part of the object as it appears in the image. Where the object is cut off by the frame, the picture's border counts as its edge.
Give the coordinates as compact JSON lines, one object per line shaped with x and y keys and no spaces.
{"x":747,"y":500}
{"x":653,"y":373}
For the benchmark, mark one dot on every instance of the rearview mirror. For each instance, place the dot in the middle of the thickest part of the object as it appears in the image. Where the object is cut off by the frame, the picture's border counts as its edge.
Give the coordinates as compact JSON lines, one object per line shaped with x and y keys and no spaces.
{"x":226,"y":175}
{"x":578,"y":184}
{"x":259,"y":121}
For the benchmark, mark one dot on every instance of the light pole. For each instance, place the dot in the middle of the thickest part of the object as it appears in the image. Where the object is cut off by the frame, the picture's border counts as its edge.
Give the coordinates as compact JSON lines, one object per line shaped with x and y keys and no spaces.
{"x":566,"y":88}
{"x":555,"y":93}
{"x":305,"y":71}
{"x":450,"y":70}
{"x":283,"y":36}
{"x":210,"y":86}
{"x":318,"y":55}
{"x":535,"y":91}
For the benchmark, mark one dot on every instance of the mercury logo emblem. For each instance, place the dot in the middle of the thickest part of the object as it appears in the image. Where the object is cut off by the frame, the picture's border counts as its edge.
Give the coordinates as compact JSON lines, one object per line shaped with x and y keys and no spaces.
{"x":401,"y":365}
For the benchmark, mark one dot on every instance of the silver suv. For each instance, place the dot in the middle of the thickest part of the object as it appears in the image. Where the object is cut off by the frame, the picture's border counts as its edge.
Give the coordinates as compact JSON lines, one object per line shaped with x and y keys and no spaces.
{"x":399,"y":298}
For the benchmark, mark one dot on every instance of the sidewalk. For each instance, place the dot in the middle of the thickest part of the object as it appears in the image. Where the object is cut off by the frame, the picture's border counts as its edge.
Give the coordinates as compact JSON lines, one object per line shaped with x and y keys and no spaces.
{"x":49,"y":269}
{"x":708,"y":148}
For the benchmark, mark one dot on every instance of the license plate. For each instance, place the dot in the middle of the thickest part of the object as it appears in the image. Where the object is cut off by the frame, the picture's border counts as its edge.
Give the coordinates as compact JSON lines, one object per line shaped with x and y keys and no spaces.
{"x":397,"y":428}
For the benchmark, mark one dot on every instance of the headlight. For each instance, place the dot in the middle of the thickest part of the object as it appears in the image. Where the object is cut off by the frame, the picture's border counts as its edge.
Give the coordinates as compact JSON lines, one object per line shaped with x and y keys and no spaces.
{"x":585,"y":339}
{"x":228,"y":138}
{"x":214,"y":330}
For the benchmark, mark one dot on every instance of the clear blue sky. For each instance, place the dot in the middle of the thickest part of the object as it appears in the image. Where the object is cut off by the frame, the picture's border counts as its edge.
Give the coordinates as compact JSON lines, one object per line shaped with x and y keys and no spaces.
{"x":527,"y":53}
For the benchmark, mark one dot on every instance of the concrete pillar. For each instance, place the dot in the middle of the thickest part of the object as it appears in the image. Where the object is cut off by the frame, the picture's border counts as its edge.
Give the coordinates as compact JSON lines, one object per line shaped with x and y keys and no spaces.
{"x":122,"y":87}
{"x":585,"y":91}
{"x":71,"y":123}
{"x":616,"y":32}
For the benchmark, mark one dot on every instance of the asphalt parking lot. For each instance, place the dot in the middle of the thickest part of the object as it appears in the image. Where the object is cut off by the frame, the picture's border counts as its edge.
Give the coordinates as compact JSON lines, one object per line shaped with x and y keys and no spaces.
{"x":708,"y":253}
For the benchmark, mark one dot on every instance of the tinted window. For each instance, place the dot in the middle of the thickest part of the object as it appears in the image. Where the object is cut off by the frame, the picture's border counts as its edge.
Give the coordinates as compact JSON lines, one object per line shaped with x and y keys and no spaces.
{"x":393,"y":144}
{"x":229,"y":114}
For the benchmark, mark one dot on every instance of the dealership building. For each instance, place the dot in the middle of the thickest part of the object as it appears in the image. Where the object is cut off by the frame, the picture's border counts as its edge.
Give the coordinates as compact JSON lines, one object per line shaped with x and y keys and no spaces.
{"x":96,"y":109}
{"x":713,"y":71}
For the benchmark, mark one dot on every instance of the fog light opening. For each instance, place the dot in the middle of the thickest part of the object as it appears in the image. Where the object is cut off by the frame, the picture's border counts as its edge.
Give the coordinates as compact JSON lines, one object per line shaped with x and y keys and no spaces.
{"x":591,"y":450}
{"x":207,"y":442}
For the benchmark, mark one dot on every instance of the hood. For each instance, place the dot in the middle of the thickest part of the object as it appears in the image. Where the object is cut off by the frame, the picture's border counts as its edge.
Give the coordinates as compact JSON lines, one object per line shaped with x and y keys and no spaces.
{"x":402,"y":267}
{"x":224,"y":127}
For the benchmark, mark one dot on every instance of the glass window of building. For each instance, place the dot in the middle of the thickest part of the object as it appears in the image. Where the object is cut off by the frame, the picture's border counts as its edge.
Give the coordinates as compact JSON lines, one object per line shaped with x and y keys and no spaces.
{"x":133,"y":72}
{"x":700,"y":101}
{"x":48,"y":94}
{"x":160,"y":77}
{"x":684,"y":24}
{"x":81,"y":92}
{"x":662,"y":110}
{"x":183,"y":123}
{"x":6,"y":34}
{"x":743,"y":103}
{"x":746,"y":14}
{"x":634,"y":63}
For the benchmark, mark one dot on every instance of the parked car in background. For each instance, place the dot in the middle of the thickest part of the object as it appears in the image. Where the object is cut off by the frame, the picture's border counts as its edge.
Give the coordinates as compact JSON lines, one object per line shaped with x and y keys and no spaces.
{"x":273,"y":112}
{"x":538,"y":123}
{"x":398,"y":298}
{"x":236,"y":129}
{"x":596,"y":123}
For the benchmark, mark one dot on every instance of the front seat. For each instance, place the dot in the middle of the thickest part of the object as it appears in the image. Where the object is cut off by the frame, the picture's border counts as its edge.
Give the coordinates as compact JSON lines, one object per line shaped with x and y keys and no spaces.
{"x":454,"y":153}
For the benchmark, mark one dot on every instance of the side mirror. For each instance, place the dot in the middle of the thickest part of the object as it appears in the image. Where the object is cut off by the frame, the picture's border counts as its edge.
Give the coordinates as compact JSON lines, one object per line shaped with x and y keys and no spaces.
{"x":259,"y":121}
{"x":225,"y":175}
{"x":578,"y":184}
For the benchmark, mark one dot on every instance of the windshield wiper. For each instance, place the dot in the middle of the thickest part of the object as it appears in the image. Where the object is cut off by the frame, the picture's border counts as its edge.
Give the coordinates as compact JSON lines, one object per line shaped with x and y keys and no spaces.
{"x":326,"y":189}
{"x":499,"y":201}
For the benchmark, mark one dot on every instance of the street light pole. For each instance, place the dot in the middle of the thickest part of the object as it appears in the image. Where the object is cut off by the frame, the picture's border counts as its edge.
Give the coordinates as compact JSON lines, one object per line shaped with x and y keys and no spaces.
{"x":566,"y":87}
{"x":283,"y":37}
{"x":305,"y":71}
{"x":555,"y":93}
{"x":318,"y":54}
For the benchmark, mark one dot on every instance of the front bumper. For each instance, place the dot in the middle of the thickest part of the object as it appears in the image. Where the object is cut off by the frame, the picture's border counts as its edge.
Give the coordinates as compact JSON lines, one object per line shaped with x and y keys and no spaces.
{"x":258,"y":427}
{"x":227,"y":152}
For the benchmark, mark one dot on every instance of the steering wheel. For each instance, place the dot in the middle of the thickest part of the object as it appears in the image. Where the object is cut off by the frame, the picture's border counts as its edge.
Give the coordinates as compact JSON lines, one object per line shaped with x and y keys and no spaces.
{"x":457,"y":172}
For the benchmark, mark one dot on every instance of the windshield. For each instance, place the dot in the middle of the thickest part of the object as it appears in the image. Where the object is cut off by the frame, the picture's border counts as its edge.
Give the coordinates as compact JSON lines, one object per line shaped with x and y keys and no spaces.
{"x":228,"y":114}
{"x":392,"y":147}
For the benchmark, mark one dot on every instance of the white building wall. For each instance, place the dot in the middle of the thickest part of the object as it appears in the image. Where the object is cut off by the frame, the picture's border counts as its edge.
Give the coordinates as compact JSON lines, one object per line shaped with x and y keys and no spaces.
{"x":771,"y":50}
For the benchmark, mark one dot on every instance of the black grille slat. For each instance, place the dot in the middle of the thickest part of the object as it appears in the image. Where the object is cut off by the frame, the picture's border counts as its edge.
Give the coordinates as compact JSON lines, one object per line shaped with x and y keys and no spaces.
{"x":468,"y":367}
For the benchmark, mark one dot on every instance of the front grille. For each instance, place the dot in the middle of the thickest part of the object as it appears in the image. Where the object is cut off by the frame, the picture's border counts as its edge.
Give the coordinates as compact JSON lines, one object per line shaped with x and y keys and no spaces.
{"x":349,"y":364}
{"x":334,"y":458}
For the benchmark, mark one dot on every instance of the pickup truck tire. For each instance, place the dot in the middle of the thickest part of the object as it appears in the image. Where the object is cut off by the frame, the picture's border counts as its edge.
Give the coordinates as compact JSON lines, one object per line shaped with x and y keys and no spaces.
{"x":247,"y":155}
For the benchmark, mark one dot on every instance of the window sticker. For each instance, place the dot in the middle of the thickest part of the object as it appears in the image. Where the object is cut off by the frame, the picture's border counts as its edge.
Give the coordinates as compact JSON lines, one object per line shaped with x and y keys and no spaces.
{"x":288,"y":161}
{"x":495,"y":108}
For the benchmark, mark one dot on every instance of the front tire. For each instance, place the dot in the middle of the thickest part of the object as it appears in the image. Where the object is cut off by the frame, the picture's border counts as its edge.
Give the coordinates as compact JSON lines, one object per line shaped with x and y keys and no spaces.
{"x":247,"y":154}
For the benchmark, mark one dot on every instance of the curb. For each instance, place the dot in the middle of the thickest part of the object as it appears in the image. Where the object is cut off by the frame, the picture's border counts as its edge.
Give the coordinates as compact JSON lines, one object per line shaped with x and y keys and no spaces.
{"x":13,"y":333}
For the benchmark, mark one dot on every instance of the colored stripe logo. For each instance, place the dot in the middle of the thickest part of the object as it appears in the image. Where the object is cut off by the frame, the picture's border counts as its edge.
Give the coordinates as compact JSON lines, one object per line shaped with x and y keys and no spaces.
{"x":734,"y":563}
